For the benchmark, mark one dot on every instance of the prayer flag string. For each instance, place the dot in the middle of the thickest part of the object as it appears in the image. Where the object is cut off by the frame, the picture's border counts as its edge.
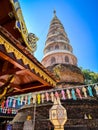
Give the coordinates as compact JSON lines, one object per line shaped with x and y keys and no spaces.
{"x":74,"y":93}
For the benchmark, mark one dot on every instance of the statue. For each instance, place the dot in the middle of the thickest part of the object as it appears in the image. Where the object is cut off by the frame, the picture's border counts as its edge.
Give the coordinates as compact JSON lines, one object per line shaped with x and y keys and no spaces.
{"x":32,"y":39}
{"x":28,"y":125}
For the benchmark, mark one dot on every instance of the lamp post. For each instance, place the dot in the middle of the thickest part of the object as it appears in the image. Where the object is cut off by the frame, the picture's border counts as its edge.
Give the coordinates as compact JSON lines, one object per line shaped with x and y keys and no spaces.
{"x":58,"y":115}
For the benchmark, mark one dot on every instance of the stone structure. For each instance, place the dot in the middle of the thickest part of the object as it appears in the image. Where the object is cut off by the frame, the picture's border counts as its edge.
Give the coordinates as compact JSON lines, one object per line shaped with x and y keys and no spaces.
{"x":76,"y":111}
{"x":58,"y":55}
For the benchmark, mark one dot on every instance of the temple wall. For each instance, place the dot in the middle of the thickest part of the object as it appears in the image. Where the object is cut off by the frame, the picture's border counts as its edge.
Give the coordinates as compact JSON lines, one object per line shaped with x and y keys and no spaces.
{"x":75,"y":112}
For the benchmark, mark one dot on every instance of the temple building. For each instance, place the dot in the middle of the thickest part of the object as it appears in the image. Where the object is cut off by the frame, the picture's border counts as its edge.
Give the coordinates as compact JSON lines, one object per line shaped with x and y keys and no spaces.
{"x":28,"y":88}
{"x":59,"y":57}
{"x":20,"y":71}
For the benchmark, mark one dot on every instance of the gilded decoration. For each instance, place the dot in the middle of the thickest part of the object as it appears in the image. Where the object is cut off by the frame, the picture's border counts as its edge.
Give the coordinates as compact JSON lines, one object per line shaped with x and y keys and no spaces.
{"x":11,"y":49}
{"x":4,"y":92}
{"x":6,"y":88}
{"x":29,"y":38}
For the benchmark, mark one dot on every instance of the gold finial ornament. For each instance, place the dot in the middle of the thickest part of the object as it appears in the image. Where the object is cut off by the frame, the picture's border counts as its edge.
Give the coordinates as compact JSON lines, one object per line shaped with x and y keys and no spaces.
{"x":20,"y":25}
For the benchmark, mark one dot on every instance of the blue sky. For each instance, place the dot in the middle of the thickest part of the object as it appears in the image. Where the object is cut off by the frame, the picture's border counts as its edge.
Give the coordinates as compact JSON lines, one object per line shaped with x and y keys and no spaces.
{"x":80,"y":20}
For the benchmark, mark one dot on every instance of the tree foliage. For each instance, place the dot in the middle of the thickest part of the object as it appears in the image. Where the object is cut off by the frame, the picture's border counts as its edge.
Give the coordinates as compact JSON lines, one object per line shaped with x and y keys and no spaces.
{"x":90,"y":76}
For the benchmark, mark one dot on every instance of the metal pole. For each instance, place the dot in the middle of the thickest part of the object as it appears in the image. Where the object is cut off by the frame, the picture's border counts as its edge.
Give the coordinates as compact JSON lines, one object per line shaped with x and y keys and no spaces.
{"x":34,"y":116}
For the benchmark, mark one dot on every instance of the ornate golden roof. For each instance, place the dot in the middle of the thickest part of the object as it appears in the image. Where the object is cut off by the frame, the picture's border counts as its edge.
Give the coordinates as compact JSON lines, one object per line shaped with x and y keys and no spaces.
{"x":15,"y":55}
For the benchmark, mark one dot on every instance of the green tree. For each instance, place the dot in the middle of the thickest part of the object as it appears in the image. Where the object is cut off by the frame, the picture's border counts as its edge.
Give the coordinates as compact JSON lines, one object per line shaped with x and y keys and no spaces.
{"x":90,"y":76}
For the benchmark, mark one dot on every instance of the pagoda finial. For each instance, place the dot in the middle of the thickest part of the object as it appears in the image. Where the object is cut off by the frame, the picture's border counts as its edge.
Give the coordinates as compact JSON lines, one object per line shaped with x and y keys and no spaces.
{"x":54,"y":13}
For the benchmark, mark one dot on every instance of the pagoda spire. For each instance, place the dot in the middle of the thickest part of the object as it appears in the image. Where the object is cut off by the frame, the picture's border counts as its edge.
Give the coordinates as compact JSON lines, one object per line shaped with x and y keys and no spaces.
{"x":54,"y":13}
{"x":57,"y":45}
{"x":58,"y":54}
